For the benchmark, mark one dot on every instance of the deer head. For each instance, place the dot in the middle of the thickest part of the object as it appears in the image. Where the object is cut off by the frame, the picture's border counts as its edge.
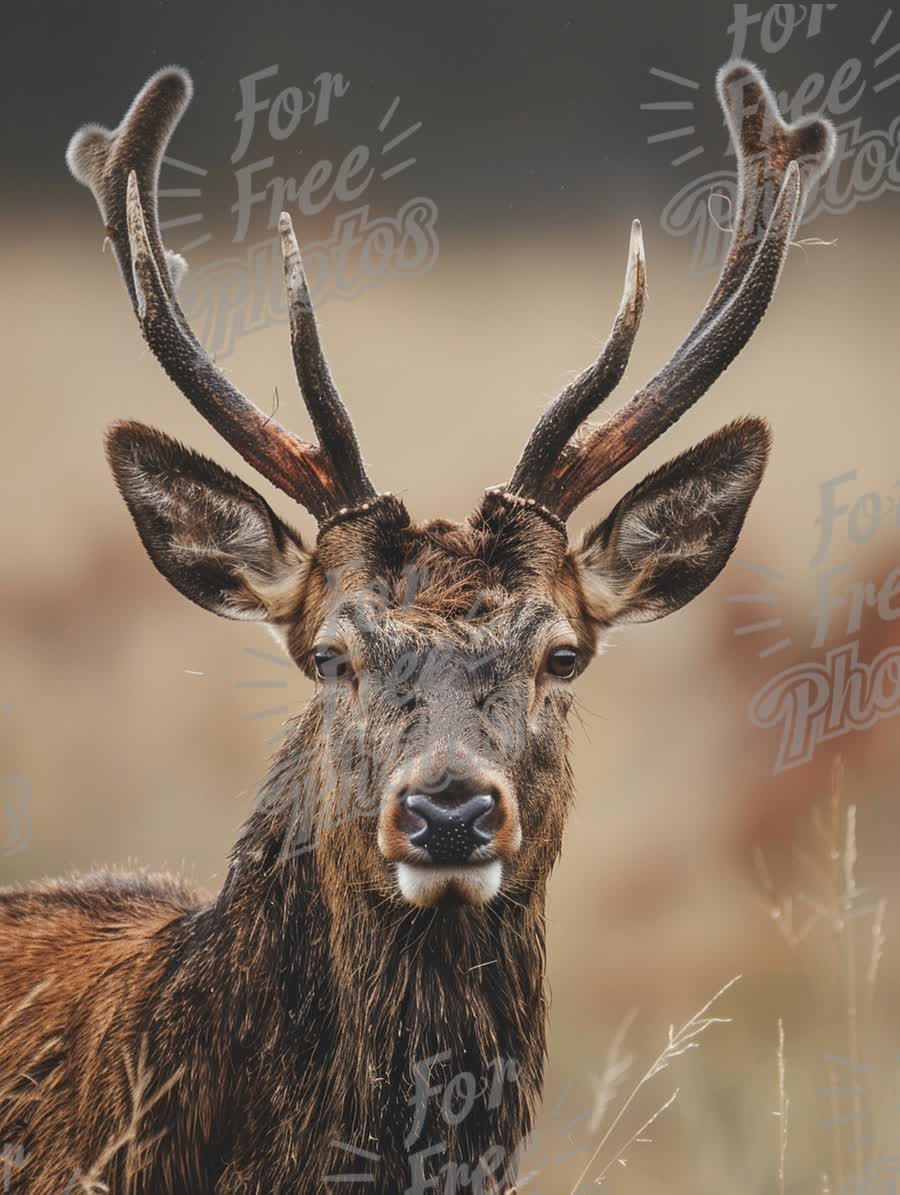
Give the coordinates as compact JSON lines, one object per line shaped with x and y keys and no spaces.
{"x":430,"y":767}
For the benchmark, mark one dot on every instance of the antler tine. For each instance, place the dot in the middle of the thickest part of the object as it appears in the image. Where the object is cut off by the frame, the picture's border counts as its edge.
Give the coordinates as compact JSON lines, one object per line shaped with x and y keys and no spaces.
{"x":297,"y":468}
{"x":101,"y":160}
{"x":765,"y":146}
{"x":330,"y":418}
{"x":688,"y":374}
{"x":565,"y":415}
{"x":777,"y":163}
{"x":121,"y":168}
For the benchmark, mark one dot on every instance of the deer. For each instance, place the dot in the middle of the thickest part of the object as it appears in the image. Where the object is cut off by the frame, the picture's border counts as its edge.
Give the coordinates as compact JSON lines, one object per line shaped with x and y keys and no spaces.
{"x":366,"y":994}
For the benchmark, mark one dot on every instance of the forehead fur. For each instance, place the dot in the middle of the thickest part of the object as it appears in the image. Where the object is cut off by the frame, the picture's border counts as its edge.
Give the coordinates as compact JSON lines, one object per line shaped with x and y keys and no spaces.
{"x":445,"y":565}
{"x":439,"y":571}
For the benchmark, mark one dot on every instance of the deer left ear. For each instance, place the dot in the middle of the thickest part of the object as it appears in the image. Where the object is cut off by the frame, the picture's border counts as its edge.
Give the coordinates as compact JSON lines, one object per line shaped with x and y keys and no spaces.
{"x":209,"y":534}
{"x":671,"y":536}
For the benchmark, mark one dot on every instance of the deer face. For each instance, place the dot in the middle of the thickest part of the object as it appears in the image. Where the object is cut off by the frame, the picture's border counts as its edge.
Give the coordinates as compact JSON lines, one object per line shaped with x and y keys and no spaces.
{"x":432,"y":761}
{"x":443,"y":673}
{"x":444,"y":658}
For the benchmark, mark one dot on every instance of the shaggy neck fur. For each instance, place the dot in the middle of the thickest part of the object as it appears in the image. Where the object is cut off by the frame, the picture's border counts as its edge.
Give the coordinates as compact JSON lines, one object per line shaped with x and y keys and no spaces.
{"x":304,"y":1021}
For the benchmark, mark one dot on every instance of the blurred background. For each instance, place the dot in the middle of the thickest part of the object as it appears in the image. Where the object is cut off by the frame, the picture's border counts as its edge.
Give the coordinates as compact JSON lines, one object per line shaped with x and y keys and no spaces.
{"x":134,"y":726}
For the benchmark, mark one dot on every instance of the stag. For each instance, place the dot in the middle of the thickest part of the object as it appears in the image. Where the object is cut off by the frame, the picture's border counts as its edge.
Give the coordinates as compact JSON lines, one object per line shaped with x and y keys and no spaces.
{"x":380,"y":931}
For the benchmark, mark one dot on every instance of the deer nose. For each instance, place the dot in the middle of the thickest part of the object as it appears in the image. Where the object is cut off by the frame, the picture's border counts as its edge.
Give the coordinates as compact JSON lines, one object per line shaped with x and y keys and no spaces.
{"x":452,"y":824}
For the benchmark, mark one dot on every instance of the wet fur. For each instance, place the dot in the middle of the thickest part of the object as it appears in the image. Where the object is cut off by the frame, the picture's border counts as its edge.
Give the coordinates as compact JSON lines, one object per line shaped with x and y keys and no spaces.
{"x":290,"y":1012}
{"x":294,"y":1005}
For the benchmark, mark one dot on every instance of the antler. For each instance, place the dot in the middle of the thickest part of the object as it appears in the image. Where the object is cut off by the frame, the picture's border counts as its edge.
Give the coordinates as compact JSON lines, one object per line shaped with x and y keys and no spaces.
{"x":777,"y":163}
{"x":122,"y":170}
{"x":564,"y":416}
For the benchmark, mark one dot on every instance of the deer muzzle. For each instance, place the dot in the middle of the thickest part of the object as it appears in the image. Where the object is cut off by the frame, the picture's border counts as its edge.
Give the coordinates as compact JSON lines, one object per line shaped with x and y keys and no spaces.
{"x":450,"y":837}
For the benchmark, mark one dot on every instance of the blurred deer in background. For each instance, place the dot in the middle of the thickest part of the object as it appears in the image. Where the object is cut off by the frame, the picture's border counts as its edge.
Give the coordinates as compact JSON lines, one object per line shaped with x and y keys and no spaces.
{"x":381,"y":927}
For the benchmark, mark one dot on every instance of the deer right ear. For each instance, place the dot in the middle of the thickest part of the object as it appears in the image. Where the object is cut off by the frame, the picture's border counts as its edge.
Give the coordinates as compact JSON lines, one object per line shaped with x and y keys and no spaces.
{"x":209,"y":534}
{"x":672,"y":535}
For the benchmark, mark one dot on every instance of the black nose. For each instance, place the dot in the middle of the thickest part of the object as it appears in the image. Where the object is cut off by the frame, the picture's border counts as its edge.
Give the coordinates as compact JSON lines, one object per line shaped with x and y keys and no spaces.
{"x":452,"y":823}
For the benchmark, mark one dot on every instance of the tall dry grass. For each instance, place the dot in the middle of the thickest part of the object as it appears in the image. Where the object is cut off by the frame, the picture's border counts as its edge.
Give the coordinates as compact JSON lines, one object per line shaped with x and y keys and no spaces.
{"x":803,"y":1098}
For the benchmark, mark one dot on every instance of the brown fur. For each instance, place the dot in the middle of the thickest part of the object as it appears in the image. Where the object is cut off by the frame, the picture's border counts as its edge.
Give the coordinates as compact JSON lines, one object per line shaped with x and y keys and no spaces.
{"x":293,"y":1007}
{"x":291,"y":1011}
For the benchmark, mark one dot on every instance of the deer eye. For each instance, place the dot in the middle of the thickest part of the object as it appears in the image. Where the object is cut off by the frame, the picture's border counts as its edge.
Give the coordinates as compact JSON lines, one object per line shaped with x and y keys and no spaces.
{"x":331,"y":663}
{"x":562,"y":662}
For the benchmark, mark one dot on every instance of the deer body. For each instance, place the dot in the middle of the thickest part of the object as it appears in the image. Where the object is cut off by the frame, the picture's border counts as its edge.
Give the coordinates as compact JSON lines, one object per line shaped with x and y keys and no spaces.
{"x":366,"y":993}
{"x":277,"y":1047}
{"x":294,"y":1013}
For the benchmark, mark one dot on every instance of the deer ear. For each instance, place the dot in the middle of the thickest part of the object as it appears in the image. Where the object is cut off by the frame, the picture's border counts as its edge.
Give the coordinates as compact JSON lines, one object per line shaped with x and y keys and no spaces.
{"x":213,"y":537}
{"x":672,"y":535}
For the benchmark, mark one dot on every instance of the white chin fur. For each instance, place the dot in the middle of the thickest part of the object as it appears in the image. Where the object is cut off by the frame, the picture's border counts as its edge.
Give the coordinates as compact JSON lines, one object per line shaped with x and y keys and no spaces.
{"x":424,"y":886}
